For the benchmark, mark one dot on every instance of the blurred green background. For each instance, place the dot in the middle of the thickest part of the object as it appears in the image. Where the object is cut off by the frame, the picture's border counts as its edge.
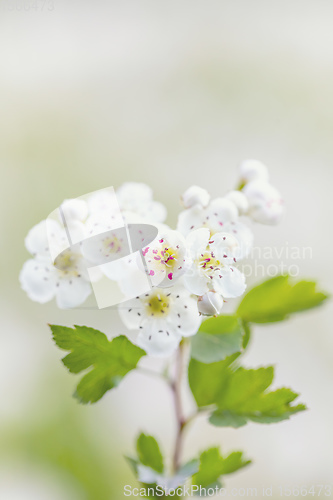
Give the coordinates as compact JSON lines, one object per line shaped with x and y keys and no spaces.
{"x":97,"y":93}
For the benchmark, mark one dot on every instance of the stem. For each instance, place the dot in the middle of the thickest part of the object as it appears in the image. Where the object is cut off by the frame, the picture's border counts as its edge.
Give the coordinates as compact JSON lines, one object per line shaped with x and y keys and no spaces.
{"x":181,"y":421}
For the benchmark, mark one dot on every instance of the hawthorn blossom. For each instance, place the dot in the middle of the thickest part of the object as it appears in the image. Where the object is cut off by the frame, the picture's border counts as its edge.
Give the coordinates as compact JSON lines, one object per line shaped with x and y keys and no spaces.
{"x":220,"y":215}
{"x":265,"y":202}
{"x":213,"y":264}
{"x":64,"y":278}
{"x":162,"y":316}
{"x":167,"y":258}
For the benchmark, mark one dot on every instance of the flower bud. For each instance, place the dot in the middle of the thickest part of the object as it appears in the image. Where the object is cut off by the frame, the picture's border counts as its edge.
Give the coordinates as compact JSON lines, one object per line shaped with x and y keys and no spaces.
{"x":210,"y":304}
{"x":251,"y":170}
{"x":240,"y":200}
{"x":195,"y":195}
{"x":265,"y":202}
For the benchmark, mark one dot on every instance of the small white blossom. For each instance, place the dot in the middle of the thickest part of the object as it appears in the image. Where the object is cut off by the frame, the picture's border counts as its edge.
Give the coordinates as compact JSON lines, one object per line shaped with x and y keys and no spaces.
{"x":265,"y":202}
{"x":195,"y":195}
{"x":251,"y":170}
{"x":167,"y":258}
{"x":163,"y":316}
{"x":210,"y":304}
{"x":220,"y":215}
{"x":212,"y":269}
{"x":64,"y":278}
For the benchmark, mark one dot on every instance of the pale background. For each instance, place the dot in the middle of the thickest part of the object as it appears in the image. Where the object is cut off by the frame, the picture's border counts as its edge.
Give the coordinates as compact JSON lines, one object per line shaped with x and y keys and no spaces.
{"x":169,"y":93}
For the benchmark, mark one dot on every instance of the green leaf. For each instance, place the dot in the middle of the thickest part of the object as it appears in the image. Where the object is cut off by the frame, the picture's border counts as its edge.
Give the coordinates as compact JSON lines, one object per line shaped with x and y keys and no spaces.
{"x":208,"y":380}
{"x":109,"y":361}
{"x":277,"y":298}
{"x":217,"y":338}
{"x":240,"y":395}
{"x":213,"y":466}
{"x":149,"y":453}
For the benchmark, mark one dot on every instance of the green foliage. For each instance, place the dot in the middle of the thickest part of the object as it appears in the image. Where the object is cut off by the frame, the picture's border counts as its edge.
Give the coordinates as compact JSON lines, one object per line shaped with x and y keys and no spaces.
{"x":217,"y":338}
{"x":239,"y":395}
{"x":213,"y":466}
{"x":277,"y":298}
{"x":109,"y":361}
{"x":149,"y":453}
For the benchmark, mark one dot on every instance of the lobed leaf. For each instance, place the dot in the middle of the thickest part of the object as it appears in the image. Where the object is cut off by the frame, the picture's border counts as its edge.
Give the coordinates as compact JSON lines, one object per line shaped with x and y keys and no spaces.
{"x":213,"y":466}
{"x":109,"y":361}
{"x":277,"y":298}
{"x":239,"y":395}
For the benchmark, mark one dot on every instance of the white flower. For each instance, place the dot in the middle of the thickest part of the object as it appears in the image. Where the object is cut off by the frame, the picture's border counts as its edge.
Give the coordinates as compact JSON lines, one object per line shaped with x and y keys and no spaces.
{"x":138,"y":197}
{"x":251,"y":170}
{"x":167,"y":258}
{"x":210,"y":304}
{"x":212,"y":268}
{"x":240,"y":200}
{"x":220,"y":215}
{"x":163,"y":317}
{"x":43,"y":278}
{"x":265,"y":202}
{"x":195,"y":195}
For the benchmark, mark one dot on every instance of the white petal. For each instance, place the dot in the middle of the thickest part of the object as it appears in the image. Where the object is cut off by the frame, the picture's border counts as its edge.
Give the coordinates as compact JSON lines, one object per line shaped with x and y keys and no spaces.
{"x":153,"y":211}
{"x":132,"y":313}
{"x":103,"y":200}
{"x":38,"y":280}
{"x":72,"y":292}
{"x":225,"y":247}
{"x":221,"y":211}
{"x":74,"y":209}
{"x":158,"y":341}
{"x":184,"y":314}
{"x":244,"y":236}
{"x":231,"y":284}
{"x":197,"y":242}
{"x":190,"y":219}
{"x":37,"y":240}
{"x":195,"y":282}
{"x":131,"y":194}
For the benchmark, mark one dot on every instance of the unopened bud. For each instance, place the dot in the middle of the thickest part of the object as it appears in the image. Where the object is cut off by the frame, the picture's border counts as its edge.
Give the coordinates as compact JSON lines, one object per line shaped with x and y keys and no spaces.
{"x":251,"y":170}
{"x":210,"y":304}
{"x":195,"y":195}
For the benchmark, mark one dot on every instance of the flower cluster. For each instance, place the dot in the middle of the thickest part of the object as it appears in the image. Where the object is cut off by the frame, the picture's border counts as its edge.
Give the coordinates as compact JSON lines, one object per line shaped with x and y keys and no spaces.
{"x":191,"y":271}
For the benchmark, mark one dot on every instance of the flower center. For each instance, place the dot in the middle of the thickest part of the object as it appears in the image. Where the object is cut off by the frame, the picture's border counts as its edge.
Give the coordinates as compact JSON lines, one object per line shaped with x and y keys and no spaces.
{"x":67,"y":263}
{"x":157,"y":304}
{"x":111,"y":244}
{"x":164,"y":258}
{"x":209,"y":264}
